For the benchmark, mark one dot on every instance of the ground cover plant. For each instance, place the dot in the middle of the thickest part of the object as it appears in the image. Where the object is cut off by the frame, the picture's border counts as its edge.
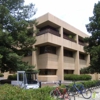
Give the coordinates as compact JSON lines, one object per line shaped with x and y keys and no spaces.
{"x":9,"y":92}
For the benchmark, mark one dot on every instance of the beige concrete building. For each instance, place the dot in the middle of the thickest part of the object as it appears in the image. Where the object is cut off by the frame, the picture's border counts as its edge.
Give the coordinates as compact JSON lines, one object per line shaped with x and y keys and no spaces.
{"x":59,"y":49}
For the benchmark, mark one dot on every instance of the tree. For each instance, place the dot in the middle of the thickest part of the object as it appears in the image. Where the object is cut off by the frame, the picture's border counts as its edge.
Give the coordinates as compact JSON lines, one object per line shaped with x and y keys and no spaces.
{"x":93,"y":47}
{"x":16,"y":34}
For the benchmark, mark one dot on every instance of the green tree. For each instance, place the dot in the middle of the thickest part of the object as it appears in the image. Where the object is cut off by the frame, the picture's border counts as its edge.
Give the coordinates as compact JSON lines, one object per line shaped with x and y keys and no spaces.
{"x":16,"y":34}
{"x":93,"y":47}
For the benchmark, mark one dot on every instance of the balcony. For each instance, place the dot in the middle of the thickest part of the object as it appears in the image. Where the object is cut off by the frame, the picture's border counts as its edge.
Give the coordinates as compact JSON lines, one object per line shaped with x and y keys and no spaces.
{"x":48,"y":30}
{"x":69,"y":37}
{"x":82,"y":43}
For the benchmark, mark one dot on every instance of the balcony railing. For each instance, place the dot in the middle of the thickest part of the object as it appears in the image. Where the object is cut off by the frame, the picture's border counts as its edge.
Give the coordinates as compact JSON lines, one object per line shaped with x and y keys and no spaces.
{"x":81,"y":43}
{"x":71,"y":39}
{"x":48,"y":31}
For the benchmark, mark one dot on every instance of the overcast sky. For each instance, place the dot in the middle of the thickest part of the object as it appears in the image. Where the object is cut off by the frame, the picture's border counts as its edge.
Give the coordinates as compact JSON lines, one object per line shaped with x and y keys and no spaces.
{"x":74,"y":12}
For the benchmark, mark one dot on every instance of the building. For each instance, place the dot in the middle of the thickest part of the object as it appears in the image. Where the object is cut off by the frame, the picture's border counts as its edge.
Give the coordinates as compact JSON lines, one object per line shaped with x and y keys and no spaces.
{"x":59,"y":49}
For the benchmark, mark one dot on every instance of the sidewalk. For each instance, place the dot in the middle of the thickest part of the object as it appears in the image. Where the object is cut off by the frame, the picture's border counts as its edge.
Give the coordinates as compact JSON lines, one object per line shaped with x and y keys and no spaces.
{"x":97,"y":96}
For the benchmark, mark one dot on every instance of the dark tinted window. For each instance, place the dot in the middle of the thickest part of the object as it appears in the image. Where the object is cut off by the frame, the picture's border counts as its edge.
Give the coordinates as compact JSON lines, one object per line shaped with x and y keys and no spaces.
{"x":47,"y":72}
{"x":82,"y":56}
{"x":68,"y":53}
{"x":47,"y":49}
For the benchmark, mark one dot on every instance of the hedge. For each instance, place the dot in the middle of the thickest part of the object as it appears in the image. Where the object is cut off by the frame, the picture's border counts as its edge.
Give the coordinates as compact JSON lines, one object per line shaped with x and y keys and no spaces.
{"x":1,"y":75}
{"x":12,"y":77}
{"x":8,"y":92}
{"x":77,"y":77}
{"x":88,"y":84}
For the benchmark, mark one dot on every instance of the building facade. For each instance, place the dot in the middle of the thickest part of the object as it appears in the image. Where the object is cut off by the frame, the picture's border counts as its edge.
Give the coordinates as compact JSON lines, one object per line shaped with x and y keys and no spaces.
{"x":60,"y":49}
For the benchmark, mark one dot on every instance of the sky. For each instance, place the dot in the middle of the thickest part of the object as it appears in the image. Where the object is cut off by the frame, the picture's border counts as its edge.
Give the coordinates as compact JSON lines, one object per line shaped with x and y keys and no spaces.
{"x":74,"y":12}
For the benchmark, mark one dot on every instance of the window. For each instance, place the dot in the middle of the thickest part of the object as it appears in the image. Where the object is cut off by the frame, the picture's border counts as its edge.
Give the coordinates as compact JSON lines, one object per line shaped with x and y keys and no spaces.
{"x":82,"y":56}
{"x":68,"y":71}
{"x":48,"y":27}
{"x":68,"y":53}
{"x":47,"y":72}
{"x":47,"y":49}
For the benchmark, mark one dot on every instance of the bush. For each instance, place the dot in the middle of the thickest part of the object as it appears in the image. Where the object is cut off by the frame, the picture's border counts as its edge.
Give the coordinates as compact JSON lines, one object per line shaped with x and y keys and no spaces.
{"x":87,"y":84}
{"x":12,"y":77}
{"x":8,"y":92}
{"x":1,"y":75}
{"x":5,"y":81}
{"x":77,"y":77}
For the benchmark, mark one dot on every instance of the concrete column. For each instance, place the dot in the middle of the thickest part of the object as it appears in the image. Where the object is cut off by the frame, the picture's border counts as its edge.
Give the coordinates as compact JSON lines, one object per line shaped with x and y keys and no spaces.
{"x":76,"y":38}
{"x":87,"y":60}
{"x":60,"y":63}
{"x":34,"y":58}
{"x":34,"y":53}
{"x":77,"y":67}
{"x":60,"y":58}
{"x":61,"y":31}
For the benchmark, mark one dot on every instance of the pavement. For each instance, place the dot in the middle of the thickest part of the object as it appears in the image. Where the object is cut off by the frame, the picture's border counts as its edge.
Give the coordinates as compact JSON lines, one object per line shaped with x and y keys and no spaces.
{"x":95,"y":95}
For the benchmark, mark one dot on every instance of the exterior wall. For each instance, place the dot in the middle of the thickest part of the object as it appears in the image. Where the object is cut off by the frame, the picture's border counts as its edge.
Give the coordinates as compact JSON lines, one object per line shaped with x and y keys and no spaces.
{"x":47,"y":61}
{"x":69,"y":63}
{"x":82,"y":63}
{"x":28,"y":59}
{"x":49,"y":78}
{"x":6,"y":75}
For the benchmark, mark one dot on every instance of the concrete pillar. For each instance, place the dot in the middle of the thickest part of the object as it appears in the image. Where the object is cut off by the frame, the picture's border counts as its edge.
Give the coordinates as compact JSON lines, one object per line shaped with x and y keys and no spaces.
{"x":87,"y":60}
{"x":60,"y":63}
{"x":76,"y":38}
{"x":77,"y":67}
{"x":34,"y":53}
{"x":60,"y":58}
{"x":34,"y":58}
{"x":61,"y":31}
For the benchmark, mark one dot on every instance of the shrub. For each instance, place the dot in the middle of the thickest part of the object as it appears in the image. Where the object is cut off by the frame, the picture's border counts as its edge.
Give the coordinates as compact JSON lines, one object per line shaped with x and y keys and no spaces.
{"x":12,"y":77}
{"x":1,"y":75}
{"x":87,"y":84}
{"x":77,"y":77}
{"x":5,"y":81}
{"x":8,"y":92}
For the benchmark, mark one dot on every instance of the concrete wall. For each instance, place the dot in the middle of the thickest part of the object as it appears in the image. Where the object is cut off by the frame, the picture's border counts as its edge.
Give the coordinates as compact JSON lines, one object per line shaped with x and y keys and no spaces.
{"x":82,"y":63}
{"x":48,"y":78}
{"x":69,"y":63}
{"x":48,"y":61}
{"x":28,"y":59}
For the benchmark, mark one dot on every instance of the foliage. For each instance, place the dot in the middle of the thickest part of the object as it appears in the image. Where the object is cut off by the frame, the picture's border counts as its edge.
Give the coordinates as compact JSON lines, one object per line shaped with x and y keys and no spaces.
{"x":87,"y":84}
{"x":77,"y":77}
{"x":1,"y":75}
{"x":8,"y":92}
{"x":87,"y":70}
{"x":93,"y":42}
{"x":12,"y":77}
{"x":5,"y":81}
{"x":16,"y":34}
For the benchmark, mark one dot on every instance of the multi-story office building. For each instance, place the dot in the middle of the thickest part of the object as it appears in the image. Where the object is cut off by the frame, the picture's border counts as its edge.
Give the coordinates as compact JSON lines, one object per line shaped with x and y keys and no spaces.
{"x":60,"y":49}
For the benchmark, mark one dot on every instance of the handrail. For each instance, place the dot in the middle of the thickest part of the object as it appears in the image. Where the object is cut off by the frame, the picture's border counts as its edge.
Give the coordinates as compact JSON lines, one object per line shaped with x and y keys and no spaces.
{"x":48,"y":30}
